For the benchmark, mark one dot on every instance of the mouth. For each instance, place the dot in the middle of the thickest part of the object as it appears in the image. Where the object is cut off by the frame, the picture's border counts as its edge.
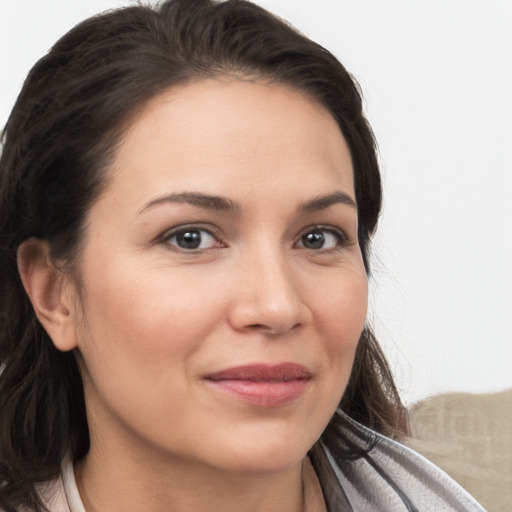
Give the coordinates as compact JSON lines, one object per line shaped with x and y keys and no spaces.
{"x":262,"y":385}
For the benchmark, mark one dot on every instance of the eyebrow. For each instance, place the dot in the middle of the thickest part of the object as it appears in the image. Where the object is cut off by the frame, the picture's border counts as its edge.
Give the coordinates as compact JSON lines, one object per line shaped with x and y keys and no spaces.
{"x":323,"y":202}
{"x":223,"y":204}
{"x":208,"y":202}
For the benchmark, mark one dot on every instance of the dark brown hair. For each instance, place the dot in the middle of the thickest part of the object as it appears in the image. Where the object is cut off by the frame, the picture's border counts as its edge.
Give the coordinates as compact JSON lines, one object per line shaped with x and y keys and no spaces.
{"x":57,"y":146}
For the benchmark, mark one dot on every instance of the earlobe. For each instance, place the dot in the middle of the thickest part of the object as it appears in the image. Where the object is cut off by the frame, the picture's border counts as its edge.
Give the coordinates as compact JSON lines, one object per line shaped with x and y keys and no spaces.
{"x":49,"y":292}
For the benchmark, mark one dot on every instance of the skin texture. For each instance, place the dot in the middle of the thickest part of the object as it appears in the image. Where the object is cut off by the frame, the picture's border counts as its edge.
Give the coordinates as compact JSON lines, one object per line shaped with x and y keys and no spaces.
{"x":154,"y":319}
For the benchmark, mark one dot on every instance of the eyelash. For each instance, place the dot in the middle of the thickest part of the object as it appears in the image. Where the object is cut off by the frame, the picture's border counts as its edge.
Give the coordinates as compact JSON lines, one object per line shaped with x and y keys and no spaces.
{"x":341,"y":237}
{"x":182,"y":230}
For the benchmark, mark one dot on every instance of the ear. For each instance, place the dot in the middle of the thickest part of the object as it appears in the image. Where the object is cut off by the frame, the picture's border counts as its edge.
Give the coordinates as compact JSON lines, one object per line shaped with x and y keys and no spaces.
{"x":50,"y":291}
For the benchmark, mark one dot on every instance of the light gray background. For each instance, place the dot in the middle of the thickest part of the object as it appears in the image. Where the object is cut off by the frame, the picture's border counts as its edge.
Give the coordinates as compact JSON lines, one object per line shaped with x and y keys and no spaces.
{"x":437,"y":78}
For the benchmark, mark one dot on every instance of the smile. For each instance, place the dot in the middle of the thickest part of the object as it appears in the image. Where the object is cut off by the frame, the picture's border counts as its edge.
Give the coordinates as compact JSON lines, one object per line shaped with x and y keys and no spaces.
{"x":262,"y":385}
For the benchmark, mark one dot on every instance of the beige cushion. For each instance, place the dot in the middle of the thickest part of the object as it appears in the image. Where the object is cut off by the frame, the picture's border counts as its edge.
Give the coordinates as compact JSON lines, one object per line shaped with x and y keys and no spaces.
{"x":470,"y":437}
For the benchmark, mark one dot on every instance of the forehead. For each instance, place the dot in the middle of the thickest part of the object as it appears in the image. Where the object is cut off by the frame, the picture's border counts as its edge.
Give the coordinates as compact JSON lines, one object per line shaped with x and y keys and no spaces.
{"x":214,"y":131}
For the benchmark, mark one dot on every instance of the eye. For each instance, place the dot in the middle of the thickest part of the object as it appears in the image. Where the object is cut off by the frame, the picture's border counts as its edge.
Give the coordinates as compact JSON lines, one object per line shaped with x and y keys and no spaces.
{"x":322,"y":239}
{"x":191,"y":239}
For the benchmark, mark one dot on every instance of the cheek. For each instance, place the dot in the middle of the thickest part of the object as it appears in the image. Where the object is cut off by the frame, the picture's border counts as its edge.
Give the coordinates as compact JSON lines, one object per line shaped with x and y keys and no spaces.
{"x":342,"y":308}
{"x":138,"y":343}
{"x":341,"y":315}
{"x":141,"y":328}
{"x":145,"y":307}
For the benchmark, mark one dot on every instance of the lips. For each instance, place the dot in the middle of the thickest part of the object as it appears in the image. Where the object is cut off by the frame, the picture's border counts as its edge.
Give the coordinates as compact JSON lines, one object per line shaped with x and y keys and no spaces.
{"x":262,"y":385}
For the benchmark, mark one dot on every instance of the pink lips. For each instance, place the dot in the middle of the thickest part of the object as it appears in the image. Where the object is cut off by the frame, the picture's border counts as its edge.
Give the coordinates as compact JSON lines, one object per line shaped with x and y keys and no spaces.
{"x":263,"y":385}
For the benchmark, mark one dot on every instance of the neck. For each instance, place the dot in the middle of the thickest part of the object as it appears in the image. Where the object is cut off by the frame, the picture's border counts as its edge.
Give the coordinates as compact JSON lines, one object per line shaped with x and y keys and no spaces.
{"x":107,"y":483}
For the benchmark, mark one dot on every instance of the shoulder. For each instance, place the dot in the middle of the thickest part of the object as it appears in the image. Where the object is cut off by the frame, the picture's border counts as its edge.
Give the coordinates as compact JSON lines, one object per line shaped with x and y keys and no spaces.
{"x":392,"y":477}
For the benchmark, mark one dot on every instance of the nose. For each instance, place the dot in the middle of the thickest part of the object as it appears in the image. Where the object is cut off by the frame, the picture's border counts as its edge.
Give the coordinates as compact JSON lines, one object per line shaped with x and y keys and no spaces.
{"x":268,"y":298}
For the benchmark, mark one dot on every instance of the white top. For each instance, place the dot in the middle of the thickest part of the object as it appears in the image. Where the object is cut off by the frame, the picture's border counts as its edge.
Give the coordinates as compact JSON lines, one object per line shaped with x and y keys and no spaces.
{"x":70,"y":488}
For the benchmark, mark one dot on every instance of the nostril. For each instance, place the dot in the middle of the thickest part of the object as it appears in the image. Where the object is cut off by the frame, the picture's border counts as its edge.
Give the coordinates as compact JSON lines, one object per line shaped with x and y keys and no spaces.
{"x":273,"y":329}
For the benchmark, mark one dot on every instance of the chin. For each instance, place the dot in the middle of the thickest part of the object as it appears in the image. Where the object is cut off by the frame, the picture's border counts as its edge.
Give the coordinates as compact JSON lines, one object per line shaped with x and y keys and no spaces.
{"x":266,"y":453}
{"x":264,"y":462}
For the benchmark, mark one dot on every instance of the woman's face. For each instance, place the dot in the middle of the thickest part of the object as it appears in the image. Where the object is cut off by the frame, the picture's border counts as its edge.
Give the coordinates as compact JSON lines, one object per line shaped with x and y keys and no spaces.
{"x":223,"y":285}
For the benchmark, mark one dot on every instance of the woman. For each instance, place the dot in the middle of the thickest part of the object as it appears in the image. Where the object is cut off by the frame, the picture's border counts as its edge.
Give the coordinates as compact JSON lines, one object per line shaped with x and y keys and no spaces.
{"x":187,"y":199}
